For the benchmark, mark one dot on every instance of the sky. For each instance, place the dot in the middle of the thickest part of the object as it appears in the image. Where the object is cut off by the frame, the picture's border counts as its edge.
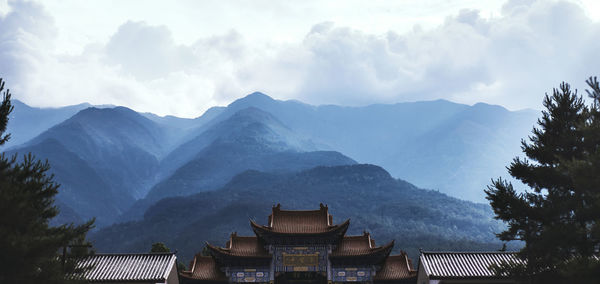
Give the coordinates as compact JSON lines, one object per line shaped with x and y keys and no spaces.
{"x":183,"y":57}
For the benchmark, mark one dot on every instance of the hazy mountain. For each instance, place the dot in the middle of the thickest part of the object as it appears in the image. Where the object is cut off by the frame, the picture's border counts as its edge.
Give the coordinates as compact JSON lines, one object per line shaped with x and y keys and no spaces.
{"x":249,"y":139}
{"x":451,"y":147}
{"x":367,"y":194}
{"x":105,"y":159}
{"x":441,"y":145}
{"x":26,"y":122}
{"x":123,"y":146}
{"x":83,"y":193}
{"x":184,"y":123}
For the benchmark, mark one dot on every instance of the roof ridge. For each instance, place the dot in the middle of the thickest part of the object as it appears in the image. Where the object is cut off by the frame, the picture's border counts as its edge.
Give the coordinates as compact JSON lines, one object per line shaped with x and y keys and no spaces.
{"x":320,"y":209}
{"x":356,"y":236}
{"x":300,"y":211}
{"x":135,"y":253}
{"x":248,"y":237}
{"x":469,"y":252}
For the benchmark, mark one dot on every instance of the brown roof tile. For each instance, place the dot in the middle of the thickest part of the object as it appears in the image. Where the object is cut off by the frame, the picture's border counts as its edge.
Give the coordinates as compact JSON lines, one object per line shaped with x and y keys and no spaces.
{"x":242,"y":246}
{"x":204,"y":268}
{"x":300,"y":221}
{"x":396,"y":267}
{"x":356,"y":245}
{"x":359,"y":249}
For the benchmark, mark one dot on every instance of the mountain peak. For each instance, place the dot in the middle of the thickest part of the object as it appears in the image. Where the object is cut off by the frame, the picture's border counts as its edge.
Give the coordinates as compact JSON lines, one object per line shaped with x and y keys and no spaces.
{"x":259,"y":95}
{"x":256,"y":99}
{"x":96,"y":112}
{"x":252,"y":121}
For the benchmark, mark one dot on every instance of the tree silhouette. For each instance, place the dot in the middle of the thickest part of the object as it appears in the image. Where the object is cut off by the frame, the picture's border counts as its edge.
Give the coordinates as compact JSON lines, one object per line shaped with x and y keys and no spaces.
{"x":559,"y":218}
{"x":31,"y":248}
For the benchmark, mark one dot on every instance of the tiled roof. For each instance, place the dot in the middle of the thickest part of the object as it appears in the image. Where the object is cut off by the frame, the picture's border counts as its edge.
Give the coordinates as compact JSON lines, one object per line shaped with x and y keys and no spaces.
{"x":396,"y":267}
{"x":464,"y":264}
{"x":151,"y":267}
{"x":204,"y":268}
{"x":242,"y":246}
{"x":300,"y":221}
{"x":358,"y":245}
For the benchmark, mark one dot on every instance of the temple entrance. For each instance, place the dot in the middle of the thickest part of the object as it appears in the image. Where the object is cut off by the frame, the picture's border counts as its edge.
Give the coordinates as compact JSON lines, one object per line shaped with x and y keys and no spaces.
{"x":301,"y":278}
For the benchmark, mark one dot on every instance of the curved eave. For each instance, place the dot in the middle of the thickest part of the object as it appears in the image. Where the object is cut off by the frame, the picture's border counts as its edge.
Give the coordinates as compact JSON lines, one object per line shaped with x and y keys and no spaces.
{"x":189,"y":278}
{"x":221,"y":253}
{"x":377,"y":255}
{"x":261,"y":231}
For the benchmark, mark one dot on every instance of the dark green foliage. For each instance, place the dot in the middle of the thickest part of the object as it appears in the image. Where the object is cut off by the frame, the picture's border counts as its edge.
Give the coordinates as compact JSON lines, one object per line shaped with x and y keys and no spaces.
{"x":159,"y":247}
{"x":367,"y":194}
{"x":5,"y":109}
{"x":559,"y":218}
{"x":31,"y":249}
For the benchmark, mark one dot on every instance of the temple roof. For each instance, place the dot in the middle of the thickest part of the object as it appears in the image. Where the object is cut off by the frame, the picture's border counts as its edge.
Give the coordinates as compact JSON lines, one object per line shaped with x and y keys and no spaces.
{"x":204,"y":268}
{"x":299,"y":222}
{"x":448,"y":265}
{"x":396,"y":267}
{"x":359,"y":246}
{"x":242,"y":246}
{"x":125,"y":267}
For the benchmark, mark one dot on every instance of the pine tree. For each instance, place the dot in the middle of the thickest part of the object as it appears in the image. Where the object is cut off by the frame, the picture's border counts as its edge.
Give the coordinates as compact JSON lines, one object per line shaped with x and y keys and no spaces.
{"x":31,"y":249}
{"x":558,"y":219}
{"x":159,"y":247}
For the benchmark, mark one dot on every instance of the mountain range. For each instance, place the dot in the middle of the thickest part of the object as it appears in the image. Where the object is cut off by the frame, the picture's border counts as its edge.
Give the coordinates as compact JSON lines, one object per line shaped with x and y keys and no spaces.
{"x":366,"y":194}
{"x":152,"y":173}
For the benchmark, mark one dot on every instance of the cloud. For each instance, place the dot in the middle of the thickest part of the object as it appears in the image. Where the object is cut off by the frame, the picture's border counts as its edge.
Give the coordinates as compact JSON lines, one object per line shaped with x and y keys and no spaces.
{"x":148,"y":52}
{"x":22,"y":31}
{"x":510,"y":59}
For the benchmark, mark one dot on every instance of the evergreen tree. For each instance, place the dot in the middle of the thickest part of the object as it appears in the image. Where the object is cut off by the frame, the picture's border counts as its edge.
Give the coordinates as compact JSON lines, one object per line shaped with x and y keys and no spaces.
{"x":31,"y":250}
{"x":559,"y":218}
{"x":159,"y":247}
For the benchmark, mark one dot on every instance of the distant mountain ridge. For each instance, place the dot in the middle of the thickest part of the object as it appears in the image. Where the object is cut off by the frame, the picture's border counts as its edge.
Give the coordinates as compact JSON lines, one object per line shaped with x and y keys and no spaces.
{"x":104,"y":159}
{"x":138,"y":159}
{"x":479,"y":140}
{"x":248,"y":139}
{"x":26,"y":122}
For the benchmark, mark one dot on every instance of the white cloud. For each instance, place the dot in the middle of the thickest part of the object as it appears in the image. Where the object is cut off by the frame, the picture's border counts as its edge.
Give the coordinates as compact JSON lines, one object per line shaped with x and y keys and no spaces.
{"x":509,"y":59}
{"x":147,"y":52}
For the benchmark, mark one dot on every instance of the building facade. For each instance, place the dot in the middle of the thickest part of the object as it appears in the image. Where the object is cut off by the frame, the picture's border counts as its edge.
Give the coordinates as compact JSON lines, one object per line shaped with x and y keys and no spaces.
{"x":300,"y":247}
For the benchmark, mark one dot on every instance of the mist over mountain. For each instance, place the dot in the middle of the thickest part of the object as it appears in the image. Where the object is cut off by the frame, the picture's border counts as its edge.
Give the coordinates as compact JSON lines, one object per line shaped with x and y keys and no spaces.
{"x":27,"y":122}
{"x":104,"y":159}
{"x":83,"y":193}
{"x":367,"y":194}
{"x":115,"y":163}
{"x":249,"y":139}
{"x":441,"y":145}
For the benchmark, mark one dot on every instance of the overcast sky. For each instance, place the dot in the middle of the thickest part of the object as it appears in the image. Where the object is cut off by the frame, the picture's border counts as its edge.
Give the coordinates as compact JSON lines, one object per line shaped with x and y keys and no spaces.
{"x":182,"y":58}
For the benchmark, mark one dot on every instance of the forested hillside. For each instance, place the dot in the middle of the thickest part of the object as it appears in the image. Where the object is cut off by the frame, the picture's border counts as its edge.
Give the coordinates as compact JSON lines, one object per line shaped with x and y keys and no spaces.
{"x":367,"y":194}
